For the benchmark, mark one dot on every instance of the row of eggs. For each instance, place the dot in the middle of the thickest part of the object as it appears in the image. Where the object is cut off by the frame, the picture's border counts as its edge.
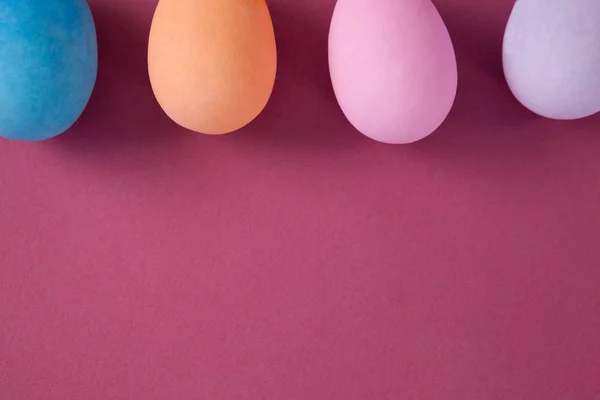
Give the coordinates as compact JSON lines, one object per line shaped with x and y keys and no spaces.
{"x":212,"y":63}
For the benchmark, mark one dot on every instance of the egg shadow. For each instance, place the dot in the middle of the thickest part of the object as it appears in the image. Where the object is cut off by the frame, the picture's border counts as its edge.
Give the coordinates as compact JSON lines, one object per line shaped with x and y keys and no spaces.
{"x":483,"y":99}
{"x":484,"y":104}
{"x":487,"y":124}
{"x":303,"y":112}
{"x":122,"y":116}
{"x":488,"y":130}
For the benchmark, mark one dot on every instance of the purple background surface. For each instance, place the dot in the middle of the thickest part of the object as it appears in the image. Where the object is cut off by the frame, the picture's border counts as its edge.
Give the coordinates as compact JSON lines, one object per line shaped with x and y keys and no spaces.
{"x":297,"y":259}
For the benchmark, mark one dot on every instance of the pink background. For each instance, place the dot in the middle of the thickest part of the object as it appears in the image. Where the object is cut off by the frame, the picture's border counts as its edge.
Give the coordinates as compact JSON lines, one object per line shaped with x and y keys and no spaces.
{"x":297,"y":259}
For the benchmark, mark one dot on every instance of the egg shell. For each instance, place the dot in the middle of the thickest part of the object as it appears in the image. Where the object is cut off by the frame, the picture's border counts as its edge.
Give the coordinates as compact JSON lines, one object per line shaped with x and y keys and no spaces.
{"x":48,"y":66}
{"x":212,"y":63}
{"x":551,"y":57}
{"x":393,"y":67}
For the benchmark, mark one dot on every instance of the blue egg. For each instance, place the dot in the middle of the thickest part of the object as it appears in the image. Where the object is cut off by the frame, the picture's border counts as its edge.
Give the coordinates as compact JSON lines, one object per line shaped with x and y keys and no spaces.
{"x":48,"y":66}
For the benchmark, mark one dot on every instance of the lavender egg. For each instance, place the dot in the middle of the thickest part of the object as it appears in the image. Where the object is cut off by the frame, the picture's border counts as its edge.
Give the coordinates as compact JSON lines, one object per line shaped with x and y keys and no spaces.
{"x":551,"y":57}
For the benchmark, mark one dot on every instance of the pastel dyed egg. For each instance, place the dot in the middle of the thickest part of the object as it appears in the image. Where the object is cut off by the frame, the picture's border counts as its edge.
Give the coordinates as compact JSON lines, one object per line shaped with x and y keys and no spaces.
{"x":48,"y":66}
{"x":212,"y":63}
{"x":393,"y":67}
{"x":551,"y":57}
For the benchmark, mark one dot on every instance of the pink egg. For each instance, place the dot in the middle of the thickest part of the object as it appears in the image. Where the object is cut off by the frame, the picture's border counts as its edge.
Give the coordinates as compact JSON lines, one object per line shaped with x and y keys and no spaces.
{"x":393,"y":67}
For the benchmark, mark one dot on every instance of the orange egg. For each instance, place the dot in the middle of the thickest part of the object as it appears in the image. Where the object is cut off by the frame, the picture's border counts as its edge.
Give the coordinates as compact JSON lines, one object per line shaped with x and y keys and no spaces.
{"x":212,"y":63}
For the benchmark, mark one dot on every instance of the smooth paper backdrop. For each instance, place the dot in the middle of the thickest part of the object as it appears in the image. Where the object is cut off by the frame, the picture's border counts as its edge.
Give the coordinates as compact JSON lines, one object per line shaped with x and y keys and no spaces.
{"x":297,"y":259}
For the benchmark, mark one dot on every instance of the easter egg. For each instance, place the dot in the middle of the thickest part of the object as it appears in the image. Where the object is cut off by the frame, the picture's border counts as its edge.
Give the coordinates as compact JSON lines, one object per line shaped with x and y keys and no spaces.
{"x":48,"y":66}
{"x":393,"y":67}
{"x":212,"y":63}
{"x":551,"y":57}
